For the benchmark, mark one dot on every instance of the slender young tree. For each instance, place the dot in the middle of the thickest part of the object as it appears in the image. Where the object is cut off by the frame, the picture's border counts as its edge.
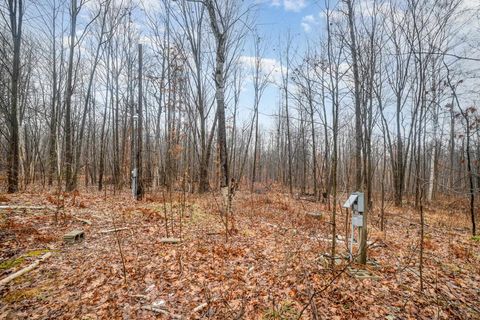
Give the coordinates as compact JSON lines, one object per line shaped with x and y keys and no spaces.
{"x":139,"y":144}
{"x":285,"y":72}
{"x":260,"y":81}
{"x":103,"y":11}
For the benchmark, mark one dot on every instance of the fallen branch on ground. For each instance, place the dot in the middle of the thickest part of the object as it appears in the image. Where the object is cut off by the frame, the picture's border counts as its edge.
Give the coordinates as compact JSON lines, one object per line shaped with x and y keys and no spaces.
{"x":24,"y":270}
{"x":114,"y":230}
{"x":84,"y":220}
{"x":199,"y":307}
{"x":161,"y":311}
{"x":170,"y":240}
{"x":22,"y":207}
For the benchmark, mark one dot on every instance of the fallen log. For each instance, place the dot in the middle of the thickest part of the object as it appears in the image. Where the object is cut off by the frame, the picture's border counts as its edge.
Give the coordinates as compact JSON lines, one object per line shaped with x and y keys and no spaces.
{"x":315,"y":215}
{"x":15,"y":207}
{"x":84,"y":221}
{"x":114,"y":230}
{"x":170,"y":240}
{"x":25,"y":270}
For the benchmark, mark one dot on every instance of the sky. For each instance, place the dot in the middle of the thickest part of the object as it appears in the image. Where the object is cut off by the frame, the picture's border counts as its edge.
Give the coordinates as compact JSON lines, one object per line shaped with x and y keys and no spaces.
{"x":302,"y":19}
{"x":275,"y":19}
{"x":278,"y":16}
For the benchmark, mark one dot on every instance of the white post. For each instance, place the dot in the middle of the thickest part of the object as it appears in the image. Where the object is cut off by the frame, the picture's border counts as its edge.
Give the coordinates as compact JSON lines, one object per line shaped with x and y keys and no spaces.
{"x":135,"y":170}
{"x":351,"y":240}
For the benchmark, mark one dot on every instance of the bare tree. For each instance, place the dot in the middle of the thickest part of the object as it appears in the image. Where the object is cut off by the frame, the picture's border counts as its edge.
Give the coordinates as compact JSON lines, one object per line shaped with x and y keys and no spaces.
{"x":104,"y":9}
{"x":469,"y":115}
{"x":191,"y":25}
{"x":284,"y":68}
{"x":334,"y":56}
{"x":16,"y":12}
{"x":139,"y":159}
{"x":220,"y":23}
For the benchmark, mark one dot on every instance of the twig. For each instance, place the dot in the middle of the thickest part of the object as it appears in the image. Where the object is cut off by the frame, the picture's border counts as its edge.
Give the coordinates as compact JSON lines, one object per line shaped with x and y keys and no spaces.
{"x":161,"y":311}
{"x":332,"y":280}
{"x":316,"y":292}
{"x":199,"y":307}
{"x":115,"y":229}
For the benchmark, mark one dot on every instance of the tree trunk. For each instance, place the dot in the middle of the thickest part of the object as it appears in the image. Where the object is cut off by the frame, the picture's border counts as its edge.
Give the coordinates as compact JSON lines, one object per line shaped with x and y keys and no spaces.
{"x":140,"y":191}
{"x":221,"y":41}
{"x":16,"y":11}
{"x":53,"y":112}
{"x":69,"y":183}
{"x":358,"y":112}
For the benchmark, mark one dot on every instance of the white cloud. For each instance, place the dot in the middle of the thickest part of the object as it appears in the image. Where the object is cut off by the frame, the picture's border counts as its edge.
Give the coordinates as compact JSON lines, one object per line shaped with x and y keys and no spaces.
{"x":270,"y":67}
{"x":294,"y":5}
{"x":308,"y":22}
{"x":276,"y":3}
{"x":290,"y":5}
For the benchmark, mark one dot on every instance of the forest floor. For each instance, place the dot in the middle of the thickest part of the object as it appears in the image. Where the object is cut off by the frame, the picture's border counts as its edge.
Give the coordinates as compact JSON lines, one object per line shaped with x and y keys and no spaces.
{"x":271,"y":267}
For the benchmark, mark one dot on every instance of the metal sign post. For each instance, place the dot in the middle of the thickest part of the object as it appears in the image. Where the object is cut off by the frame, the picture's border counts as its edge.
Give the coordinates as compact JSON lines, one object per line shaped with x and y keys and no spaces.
{"x":356,"y":202}
{"x":135,"y":169}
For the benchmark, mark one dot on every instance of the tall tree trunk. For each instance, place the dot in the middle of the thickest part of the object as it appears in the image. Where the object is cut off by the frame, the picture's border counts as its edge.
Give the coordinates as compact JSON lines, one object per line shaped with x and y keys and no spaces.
{"x":358,"y":112}
{"x":221,"y":42}
{"x":101,"y":166}
{"x":16,"y":11}
{"x":399,"y":174}
{"x":470,"y":176}
{"x":358,"y":130}
{"x":52,"y":164}
{"x":69,"y":183}
{"x":255,"y":148}
{"x":314,"y":149}
{"x":451,"y":176}
{"x":140,"y":186}
{"x":79,"y":141}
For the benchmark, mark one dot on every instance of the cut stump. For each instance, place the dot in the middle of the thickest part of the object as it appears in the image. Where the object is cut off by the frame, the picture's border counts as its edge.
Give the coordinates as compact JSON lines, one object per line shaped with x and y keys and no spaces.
{"x":74,"y":236}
